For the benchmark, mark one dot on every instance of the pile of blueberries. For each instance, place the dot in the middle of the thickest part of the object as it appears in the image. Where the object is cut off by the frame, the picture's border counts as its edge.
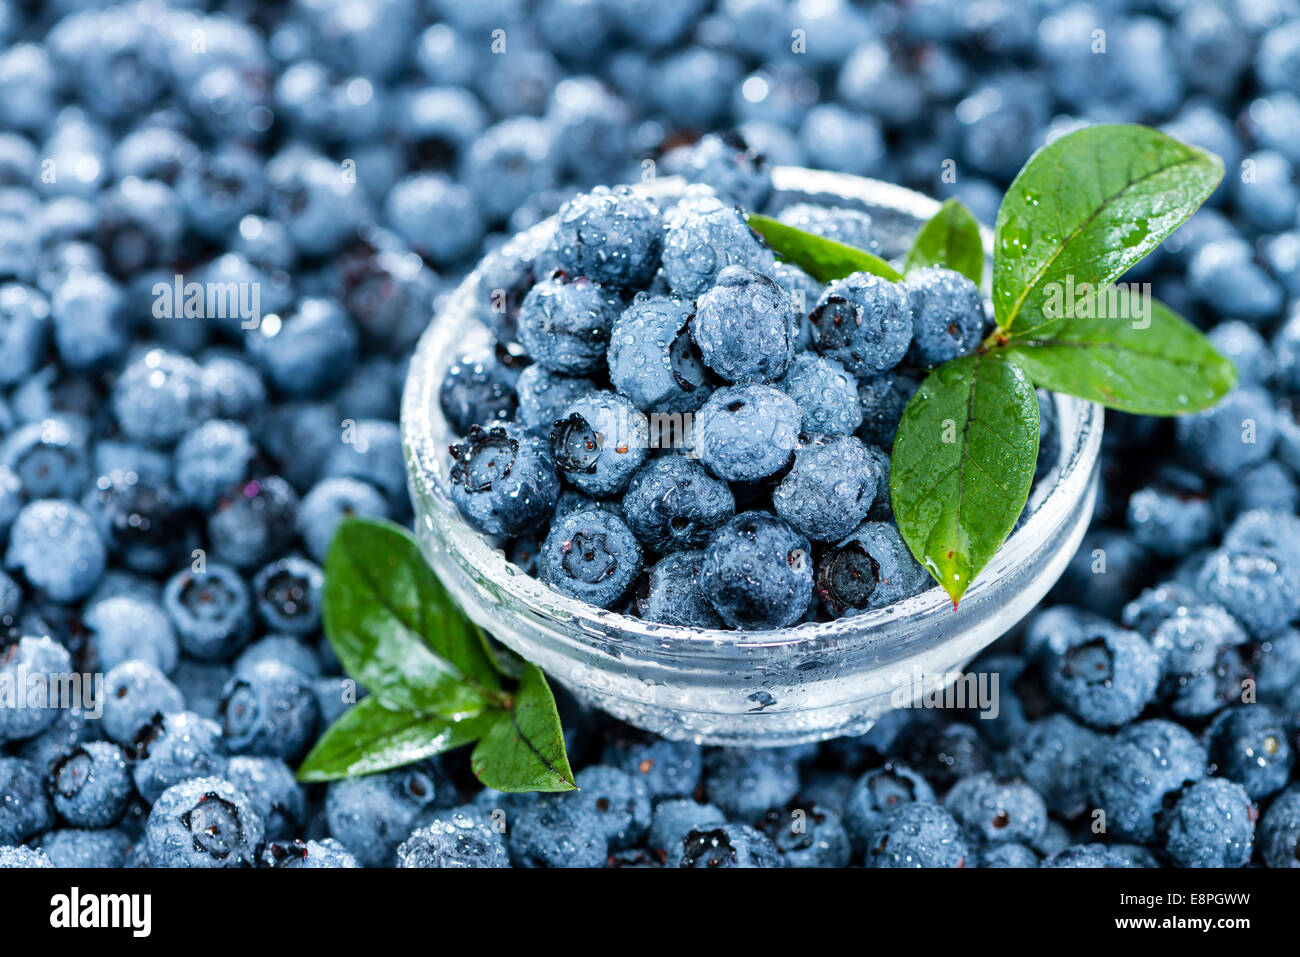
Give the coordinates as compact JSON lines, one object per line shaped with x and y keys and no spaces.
{"x":170,"y":478}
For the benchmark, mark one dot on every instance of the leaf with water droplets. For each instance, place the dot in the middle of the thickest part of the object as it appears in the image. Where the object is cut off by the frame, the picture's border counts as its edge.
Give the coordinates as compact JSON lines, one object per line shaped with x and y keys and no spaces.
{"x":394,"y":627}
{"x":524,"y":750}
{"x":963,"y":465}
{"x":951,"y":239}
{"x":1083,"y":210}
{"x":1130,"y":352}
{"x":823,"y":259}
{"x":371,"y":737}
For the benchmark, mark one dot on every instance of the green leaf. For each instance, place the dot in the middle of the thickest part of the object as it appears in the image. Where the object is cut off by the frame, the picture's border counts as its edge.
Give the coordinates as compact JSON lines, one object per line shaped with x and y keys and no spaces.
{"x":395,"y":628}
{"x":823,"y":259}
{"x":1085,"y":208}
{"x":524,"y":750}
{"x":1134,"y":354}
{"x":951,"y":238}
{"x":963,"y":465}
{"x":370,"y":737}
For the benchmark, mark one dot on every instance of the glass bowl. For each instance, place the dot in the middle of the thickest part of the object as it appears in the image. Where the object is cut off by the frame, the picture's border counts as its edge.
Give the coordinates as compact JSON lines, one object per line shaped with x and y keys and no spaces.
{"x":810,"y":682}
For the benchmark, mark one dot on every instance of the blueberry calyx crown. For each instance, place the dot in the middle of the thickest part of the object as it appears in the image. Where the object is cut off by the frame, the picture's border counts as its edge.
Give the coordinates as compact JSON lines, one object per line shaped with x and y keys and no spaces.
{"x":208,"y":820}
{"x":484,"y":458}
{"x":685,"y":361}
{"x":577,"y":446}
{"x":834,"y":321}
{"x":714,"y":844}
{"x":848,"y":578}
{"x":587,"y":557}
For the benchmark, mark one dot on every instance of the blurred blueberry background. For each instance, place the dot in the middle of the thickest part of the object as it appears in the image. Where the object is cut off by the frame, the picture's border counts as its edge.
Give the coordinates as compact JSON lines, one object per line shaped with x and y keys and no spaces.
{"x":169,"y":483}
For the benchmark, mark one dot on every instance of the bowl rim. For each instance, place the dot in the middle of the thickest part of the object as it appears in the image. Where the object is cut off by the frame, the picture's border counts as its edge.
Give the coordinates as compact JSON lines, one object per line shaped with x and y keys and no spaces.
{"x":586,"y":626}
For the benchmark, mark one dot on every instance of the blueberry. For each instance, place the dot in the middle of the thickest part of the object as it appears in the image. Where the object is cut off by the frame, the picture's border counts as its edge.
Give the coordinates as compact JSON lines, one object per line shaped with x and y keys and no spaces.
{"x":703,"y":237}
{"x":271,"y":786}
{"x":416,"y":203}
{"x":947,"y":315}
{"x":79,"y":848}
{"x":870,"y":568}
{"x":653,"y":358}
{"x":672,"y":593}
{"x":125,"y":628}
{"x":619,"y":800}
{"x":329,"y":502}
{"x":287,"y":594}
{"x":503,"y":480}
{"x":24,"y":331}
{"x":599,"y":442}
{"x":864,"y":322}
{"x":134,"y":693}
{"x":459,"y":838}
{"x":745,"y":326}
{"x":283,"y":650}
{"x":747,"y":432}
{"x":565,"y":322}
{"x":1260,"y":589}
{"x":748,"y":782}
{"x":48,"y":457}
{"x":1088,"y":856}
{"x":327,"y":853}
{"x":847,"y":141}
{"x":1201,"y":665}
{"x":1105,"y":677}
{"x":826,"y":394}
{"x":26,"y":810}
{"x":24,"y":857}
{"x":372,"y":452}
{"x":882,"y":399}
{"x":172,"y":748}
{"x":543,"y":396}
{"x":27,"y":710}
{"x":917,"y":835}
{"x":1277,"y":665}
{"x":1057,"y":758}
{"x":137,"y":517}
{"x":665,"y":768}
{"x":555,"y":831}
{"x":372,"y":815}
{"x":56,"y":546}
{"x":728,"y":165}
{"x":808,"y":836}
{"x":1004,"y":855}
{"x":727,"y":845}
{"x":212,"y":458}
{"x":203,"y":822}
{"x":268,"y":709}
{"x":160,"y":397}
{"x":88,"y":312}
{"x":1279,"y":831}
{"x":508,"y":164}
{"x":877,"y":794}
{"x":1223,"y":273}
{"x":672,"y":503}
{"x":210,"y":609}
{"x":757,"y":572}
{"x":1212,"y":825}
{"x":829,"y":488}
{"x":592,"y":556}
{"x":612,"y":236}
{"x":944,"y":751}
{"x":675,"y":819}
{"x":90,"y":785}
{"x":305,"y":353}
{"x":253,"y":521}
{"x":994,"y":810}
{"x":477,"y":390}
{"x":1144,"y":766}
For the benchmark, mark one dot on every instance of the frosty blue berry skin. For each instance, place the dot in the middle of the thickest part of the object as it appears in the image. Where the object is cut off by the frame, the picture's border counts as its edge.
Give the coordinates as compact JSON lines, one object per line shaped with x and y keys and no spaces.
{"x":870,"y":568}
{"x":125,"y":628}
{"x":564,"y":323}
{"x":1139,"y":768}
{"x":1170,"y":522}
{"x":811,"y":836}
{"x":27,"y":810}
{"x":307,"y":855}
{"x":1258,"y":588}
{"x":747,"y":432}
{"x":253,"y":522}
{"x":477,"y":390}
{"x":1105,"y":677}
{"x":877,"y":794}
{"x":460,"y":838}
{"x":553,"y":832}
{"x":703,"y":236}
{"x":1201,"y":663}
{"x":619,"y":800}
{"x":271,"y":786}
{"x":599,"y":442}
{"x":863,"y":322}
{"x":134,"y":692}
{"x":287,"y":595}
{"x":1249,"y":744}
{"x":745,"y":326}
{"x":269,"y":710}
{"x":1278,"y":835}
{"x":757,"y":572}
{"x":49,"y":457}
{"x":653,"y":357}
{"x":829,"y":489}
{"x":590,"y":555}
{"x":544,"y":395}
{"x":29,"y":657}
{"x":825,"y":392}
{"x":205,"y":822}
{"x":671,"y":593}
{"x":90,"y":785}
{"x":995,"y":810}
{"x":917,"y":835}
{"x":371,"y":815}
{"x":882,"y":399}
{"x":503,"y":480}
{"x":852,"y":227}
{"x":672,"y":503}
{"x":666,"y":768}
{"x":614,"y":236}
{"x":327,"y":503}
{"x":172,"y":748}
{"x":947,"y":315}
{"x":1057,"y":756}
{"x":728,"y":165}
{"x":675,"y":819}
{"x":1212,"y":825}
{"x":211,"y":610}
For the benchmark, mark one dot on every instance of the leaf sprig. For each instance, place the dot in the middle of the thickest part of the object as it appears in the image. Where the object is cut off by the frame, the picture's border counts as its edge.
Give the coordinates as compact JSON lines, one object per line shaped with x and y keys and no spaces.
{"x":1082,"y":212}
{"x":435,"y":682}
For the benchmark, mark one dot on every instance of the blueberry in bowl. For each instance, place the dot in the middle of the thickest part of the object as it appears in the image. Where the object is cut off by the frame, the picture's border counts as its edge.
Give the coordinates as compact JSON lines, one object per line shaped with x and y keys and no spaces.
{"x":709,"y":399}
